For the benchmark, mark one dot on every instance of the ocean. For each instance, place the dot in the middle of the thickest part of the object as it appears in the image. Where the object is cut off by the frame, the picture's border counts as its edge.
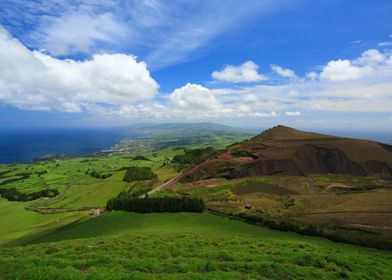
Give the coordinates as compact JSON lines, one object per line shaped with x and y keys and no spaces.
{"x":24,"y":145}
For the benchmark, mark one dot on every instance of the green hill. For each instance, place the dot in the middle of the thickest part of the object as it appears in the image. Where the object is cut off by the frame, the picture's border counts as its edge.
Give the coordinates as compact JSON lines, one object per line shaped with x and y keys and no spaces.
{"x":186,"y":246}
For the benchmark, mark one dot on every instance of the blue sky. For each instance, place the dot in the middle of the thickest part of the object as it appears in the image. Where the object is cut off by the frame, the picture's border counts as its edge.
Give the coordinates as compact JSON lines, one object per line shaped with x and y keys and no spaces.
{"x":308,"y":64}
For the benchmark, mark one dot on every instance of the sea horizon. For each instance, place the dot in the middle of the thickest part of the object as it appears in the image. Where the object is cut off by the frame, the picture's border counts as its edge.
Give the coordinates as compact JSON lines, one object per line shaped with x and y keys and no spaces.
{"x":23,"y":145}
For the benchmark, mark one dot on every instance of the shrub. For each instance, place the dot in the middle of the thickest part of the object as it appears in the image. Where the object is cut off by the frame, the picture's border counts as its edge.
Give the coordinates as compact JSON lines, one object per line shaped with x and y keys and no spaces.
{"x":12,"y":194}
{"x":95,"y":174}
{"x":140,"y":158}
{"x":135,"y":173}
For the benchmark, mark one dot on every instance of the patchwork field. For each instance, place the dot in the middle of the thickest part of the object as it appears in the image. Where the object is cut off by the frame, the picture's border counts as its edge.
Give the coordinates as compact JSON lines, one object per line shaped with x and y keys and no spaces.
{"x":79,"y":190}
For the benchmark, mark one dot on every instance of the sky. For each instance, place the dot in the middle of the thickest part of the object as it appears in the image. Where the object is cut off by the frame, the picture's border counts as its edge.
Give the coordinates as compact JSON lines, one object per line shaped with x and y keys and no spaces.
{"x":303,"y":63}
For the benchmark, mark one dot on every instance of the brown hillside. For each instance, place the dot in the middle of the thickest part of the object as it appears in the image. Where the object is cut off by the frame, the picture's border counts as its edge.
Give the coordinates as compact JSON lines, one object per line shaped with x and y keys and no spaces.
{"x":287,"y":151}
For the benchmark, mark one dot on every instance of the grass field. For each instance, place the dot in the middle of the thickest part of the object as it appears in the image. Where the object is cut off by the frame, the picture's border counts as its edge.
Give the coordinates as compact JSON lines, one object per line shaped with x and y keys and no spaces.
{"x":18,"y":224}
{"x":78,"y":190}
{"x":123,"y":245}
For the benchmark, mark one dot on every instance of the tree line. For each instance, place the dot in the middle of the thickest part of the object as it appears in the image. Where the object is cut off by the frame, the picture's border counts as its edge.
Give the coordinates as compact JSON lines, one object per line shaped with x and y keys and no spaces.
{"x":12,"y":194}
{"x":128,"y":202}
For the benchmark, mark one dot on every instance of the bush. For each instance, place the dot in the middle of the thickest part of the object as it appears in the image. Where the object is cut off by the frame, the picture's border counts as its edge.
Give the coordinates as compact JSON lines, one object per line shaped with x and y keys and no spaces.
{"x":135,"y":173}
{"x":12,"y":194}
{"x":140,"y":158}
{"x":95,"y":174}
{"x":127,"y":202}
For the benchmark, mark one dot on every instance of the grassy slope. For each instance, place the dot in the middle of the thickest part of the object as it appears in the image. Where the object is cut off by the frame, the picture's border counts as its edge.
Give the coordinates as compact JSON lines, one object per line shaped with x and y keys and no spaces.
{"x":77,"y":190}
{"x":184,"y":245}
{"x":17,"y":223}
{"x":361,"y":214}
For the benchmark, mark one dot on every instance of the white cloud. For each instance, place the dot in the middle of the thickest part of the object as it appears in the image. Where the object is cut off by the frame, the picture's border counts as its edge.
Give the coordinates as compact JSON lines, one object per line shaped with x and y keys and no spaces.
{"x":370,"y":57}
{"x":33,"y":80}
{"x":343,"y":70}
{"x":79,"y":33}
{"x":244,"y":73}
{"x":284,"y":72}
{"x":385,"y":44}
{"x":194,"y":97}
{"x":293,"y":114}
{"x":118,"y":86}
{"x":311,"y":75}
{"x":162,"y":32}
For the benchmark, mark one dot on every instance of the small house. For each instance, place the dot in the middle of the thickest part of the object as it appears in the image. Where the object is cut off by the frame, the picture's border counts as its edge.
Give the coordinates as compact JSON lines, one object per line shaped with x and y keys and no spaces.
{"x":96,"y":212}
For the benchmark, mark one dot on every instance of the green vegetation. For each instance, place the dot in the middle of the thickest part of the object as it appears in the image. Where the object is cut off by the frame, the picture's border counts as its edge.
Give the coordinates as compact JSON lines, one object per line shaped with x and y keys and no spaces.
{"x":67,"y":243}
{"x":135,"y":173}
{"x":128,"y":202}
{"x":139,"y":157}
{"x":194,"y":155}
{"x":123,"y":245}
{"x":95,"y":174}
{"x":79,"y":192}
{"x":351,"y":209}
{"x":12,"y":194}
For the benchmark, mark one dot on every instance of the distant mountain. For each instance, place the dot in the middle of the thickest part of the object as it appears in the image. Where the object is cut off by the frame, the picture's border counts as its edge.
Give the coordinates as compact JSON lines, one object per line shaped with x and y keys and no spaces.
{"x":176,"y":130}
{"x":287,"y":151}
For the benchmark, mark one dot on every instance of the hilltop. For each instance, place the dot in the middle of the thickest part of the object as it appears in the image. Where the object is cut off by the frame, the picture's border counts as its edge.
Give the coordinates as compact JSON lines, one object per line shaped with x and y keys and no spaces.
{"x":287,"y":151}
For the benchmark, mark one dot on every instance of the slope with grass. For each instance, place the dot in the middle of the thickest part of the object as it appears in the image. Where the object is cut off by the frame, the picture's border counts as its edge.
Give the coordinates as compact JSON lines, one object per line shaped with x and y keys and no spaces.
{"x":186,"y":246}
{"x":360,"y":212}
{"x":79,"y":191}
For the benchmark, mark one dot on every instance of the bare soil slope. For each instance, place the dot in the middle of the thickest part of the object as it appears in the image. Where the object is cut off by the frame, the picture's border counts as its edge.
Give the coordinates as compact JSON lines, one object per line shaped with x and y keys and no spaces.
{"x":286,"y":151}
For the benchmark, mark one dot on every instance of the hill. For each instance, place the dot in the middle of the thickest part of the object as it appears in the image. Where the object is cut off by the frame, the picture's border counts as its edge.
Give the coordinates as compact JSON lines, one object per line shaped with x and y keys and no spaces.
{"x":185,"y":246}
{"x":177,"y":135}
{"x":185,"y":129}
{"x":287,"y":151}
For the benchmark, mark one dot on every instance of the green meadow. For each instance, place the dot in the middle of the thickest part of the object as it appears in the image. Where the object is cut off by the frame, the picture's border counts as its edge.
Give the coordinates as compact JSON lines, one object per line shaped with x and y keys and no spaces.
{"x":123,"y":245}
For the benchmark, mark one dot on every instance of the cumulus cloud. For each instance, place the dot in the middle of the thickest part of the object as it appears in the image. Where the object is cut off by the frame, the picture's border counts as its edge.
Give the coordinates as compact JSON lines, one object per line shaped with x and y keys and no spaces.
{"x":244,"y":73}
{"x":343,"y":70}
{"x":34,"y":80}
{"x":370,"y":57}
{"x":194,"y":97}
{"x":284,"y":72}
